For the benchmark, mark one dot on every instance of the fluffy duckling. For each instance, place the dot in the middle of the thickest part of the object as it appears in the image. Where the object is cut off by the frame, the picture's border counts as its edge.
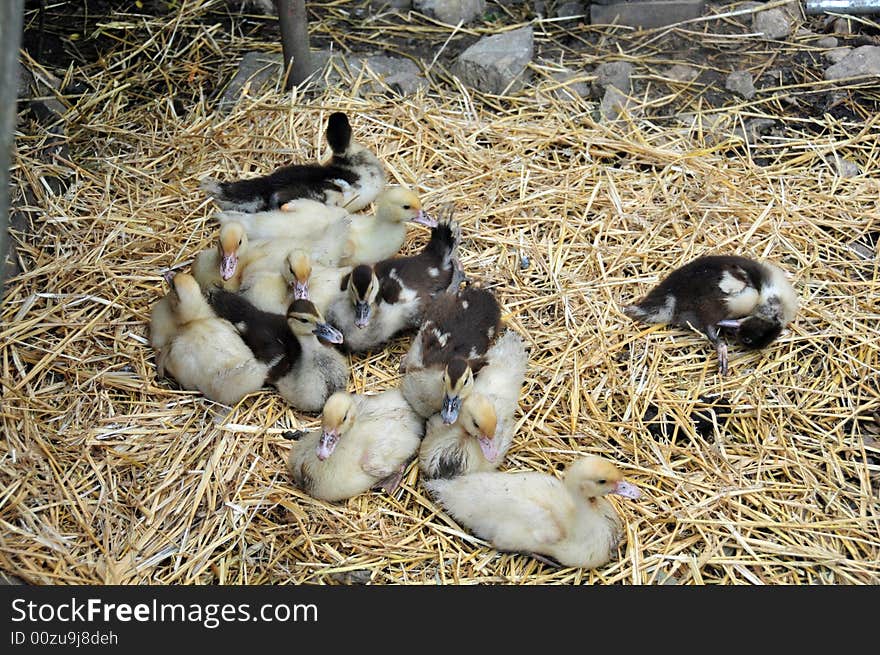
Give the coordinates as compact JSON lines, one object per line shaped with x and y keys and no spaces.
{"x":163,"y":324}
{"x":374,"y":303}
{"x":363,"y":442}
{"x":753,"y":300}
{"x":305,"y":220}
{"x":569,"y":520}
{"x":352,"y":178}
{"x":304,"y":370}
{"x":205,"y":352}
{"x":222,"y":265}
{"x":481,"y":436}
{"x":450,"y":347}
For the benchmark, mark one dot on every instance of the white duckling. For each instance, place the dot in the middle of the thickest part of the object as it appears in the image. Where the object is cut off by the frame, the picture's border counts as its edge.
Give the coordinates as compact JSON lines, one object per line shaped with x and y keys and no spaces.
{"x":352,"y":178}
{"x":205,"y":353}
{"x":364,"y":441}
{"x":569,"y":520}
{"x":304,"y":220}
{"x":483,"y":432}
{"x":458,"y":329}
{"x":301,"y":366}
{"x":713,"y":293}
{"x":377,"y":302}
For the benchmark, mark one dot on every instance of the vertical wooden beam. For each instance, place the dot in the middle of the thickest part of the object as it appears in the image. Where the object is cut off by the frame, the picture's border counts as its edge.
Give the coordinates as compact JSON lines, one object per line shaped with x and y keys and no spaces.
{"x":10,"y":40}
{"x":294,"y":23}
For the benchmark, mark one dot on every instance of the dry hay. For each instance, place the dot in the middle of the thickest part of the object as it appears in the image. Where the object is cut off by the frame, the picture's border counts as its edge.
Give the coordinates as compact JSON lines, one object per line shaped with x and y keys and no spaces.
{"x":112,"y":475}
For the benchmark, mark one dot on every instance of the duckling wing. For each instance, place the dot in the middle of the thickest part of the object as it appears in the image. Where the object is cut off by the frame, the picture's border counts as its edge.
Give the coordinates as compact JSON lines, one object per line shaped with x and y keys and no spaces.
{"x":515,"y":511}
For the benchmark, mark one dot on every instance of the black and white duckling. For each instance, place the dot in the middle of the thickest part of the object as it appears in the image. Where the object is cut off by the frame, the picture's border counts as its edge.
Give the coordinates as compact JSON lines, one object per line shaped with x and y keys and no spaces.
{"x":752,"y":300}
{"x":450,"y":347}
{"x":301,"y":366}
{"x":569,"y":520}
{"x":376,"y":302}
{"x":273,"y":290}
{"x":201,"y":351}
{"x":352,"y":178}
{"x":364,"y":441}
{"x":483,"y":431}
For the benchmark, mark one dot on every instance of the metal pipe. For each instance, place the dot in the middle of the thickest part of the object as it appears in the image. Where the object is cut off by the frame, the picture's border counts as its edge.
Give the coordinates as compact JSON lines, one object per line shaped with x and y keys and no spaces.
{"x":842,"y":6}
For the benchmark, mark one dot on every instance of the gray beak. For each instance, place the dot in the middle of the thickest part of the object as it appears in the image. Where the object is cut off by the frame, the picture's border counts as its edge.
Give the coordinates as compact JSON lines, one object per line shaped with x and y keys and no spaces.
{"x":361,"y":314}
{"x":451,"y":407}
{"x":328,"y":333}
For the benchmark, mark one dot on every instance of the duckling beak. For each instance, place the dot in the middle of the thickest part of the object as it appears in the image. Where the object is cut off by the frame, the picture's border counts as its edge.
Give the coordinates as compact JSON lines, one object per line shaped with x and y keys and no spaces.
{"x":168,"y":276}
{"x":328,"y":333}
{"x":300,"y":290}
{"x":327,"y":444}
{"x":361,"y":314}
{"x":449,"y":412}
{"x":732,"y":323}
{"x":487,"y":445}
{"x":227,"y":266}
{"x":422,"y":218}
{"x":627,"y":490}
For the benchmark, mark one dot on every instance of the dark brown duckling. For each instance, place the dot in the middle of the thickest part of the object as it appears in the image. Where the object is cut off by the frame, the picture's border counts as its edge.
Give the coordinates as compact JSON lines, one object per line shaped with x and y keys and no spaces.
{"x":752,"y":300}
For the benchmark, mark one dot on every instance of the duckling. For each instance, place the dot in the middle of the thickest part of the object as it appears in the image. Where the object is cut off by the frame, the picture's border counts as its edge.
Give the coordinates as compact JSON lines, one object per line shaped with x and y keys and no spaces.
{"x":220,"y":266}
{"x":305,"y":220}
{"x":163,"y":324}
{"x":352,"y":178}
{"x":458,"y":329}
{"x":374,"y":303}
{"x":711,"y":293}
{"x":303,"y":370}
{"x":364,"y":441}
{"x":569,"y":520}
{"x":205,"y":352}
{"x":480,"y":434}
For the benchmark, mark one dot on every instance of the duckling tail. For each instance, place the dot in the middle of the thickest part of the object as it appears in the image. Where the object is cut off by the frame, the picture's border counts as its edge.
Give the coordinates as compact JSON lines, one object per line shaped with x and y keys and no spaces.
{"x":338,"y":132}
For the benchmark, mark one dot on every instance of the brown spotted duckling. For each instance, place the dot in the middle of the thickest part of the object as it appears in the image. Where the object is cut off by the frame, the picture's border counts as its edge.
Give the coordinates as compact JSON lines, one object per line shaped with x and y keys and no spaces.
{"x":352,"y":178}
{"x":374,"y":303}
{"x":301,"y":365}
{"x":752,"y":300}
{"x":450,"y":347}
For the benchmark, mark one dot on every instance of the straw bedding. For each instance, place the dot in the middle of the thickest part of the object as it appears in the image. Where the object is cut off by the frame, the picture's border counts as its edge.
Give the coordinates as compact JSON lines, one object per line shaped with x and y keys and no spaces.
{"x":112,"y":475}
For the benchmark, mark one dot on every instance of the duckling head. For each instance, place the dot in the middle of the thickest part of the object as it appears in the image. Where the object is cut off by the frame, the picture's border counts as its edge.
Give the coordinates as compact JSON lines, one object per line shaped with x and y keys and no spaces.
{"x":297,"y":273}
{"x":592,"y":477}
{"x":479,"y":420}
{"x":398,"y":204}
{"x":338,"y":417}
{"x":229,"y":244}
{"x":187,"y":301}
{"x":363,"y":288}
{"x":758,"y":329}
{"x":458,"y":380}
{"x":304,"y":319}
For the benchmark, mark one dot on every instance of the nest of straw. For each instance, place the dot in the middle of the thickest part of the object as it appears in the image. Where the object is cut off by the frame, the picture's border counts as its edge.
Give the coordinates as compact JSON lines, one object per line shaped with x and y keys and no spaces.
{"x":769,"y":475}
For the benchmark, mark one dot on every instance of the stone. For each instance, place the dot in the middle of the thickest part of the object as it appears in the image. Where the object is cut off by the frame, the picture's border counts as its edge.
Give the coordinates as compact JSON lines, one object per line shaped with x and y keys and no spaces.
{"x":571,"y":8}
{"x":835,"y":55}
{"x":497,"y":63}
{"x":570,"y":88}
{"x":647,"y":13}
{"x":776,"y":23}
{"x":402,"y":75}
{"x":861,"y":62}
{"x":682,"y":73}
{"x":844,"y":167}
{"x":379,"y":5}
{"x":451,"y":12}
{"x":615,"y":103}
{"x":616,"y":74}
{"x":827,"y":42}
{"x":741,"y":83}
{"x":842,"y":26}
{"x":254,"y":71}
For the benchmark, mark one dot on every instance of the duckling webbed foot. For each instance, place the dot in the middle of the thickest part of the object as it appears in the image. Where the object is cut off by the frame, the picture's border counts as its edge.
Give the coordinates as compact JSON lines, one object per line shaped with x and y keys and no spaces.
{"x":458,"y":276}
{"x":545,"y":560}
{"x":721,"y":349}
{"x":390,"y":484}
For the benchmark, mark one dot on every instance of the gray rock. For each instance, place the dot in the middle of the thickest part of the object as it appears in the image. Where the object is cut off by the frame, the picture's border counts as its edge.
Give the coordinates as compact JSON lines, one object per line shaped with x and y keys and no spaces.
{"x":835,"y":55}
{"x":451,"y":12}
{"x":755,"y":128}
{"x":400,"y":74}
{"x":741,"y":83}
{"x":379,"y":5}
{"x":571,"y":8}
{"x":569,"y":87}
{"x":614,"y":103}
{"x":254,"y":71}
{"x":645,"y":13}
{"x":774,"y":23}
{"x":862,"y":251}
{"x":861,"y":62}
{"x":616,"y":74}
{"x":844,"y":167}
{"x":498,"y":63}
{"x":682,"y":73}
{"x":827,"y":42}
{"x":842,"y":26}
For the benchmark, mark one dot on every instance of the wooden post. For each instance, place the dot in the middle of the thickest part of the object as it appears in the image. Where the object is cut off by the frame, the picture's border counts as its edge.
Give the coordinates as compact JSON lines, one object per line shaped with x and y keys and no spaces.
{"x":294,"y":23}
{"x":10,"y":38}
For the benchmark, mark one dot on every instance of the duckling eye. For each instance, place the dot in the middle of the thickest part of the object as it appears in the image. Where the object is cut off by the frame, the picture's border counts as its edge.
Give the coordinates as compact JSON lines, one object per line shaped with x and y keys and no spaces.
{"x":239,"y":241}
{"x":602,"y":481}
{"x":407,"y":206}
